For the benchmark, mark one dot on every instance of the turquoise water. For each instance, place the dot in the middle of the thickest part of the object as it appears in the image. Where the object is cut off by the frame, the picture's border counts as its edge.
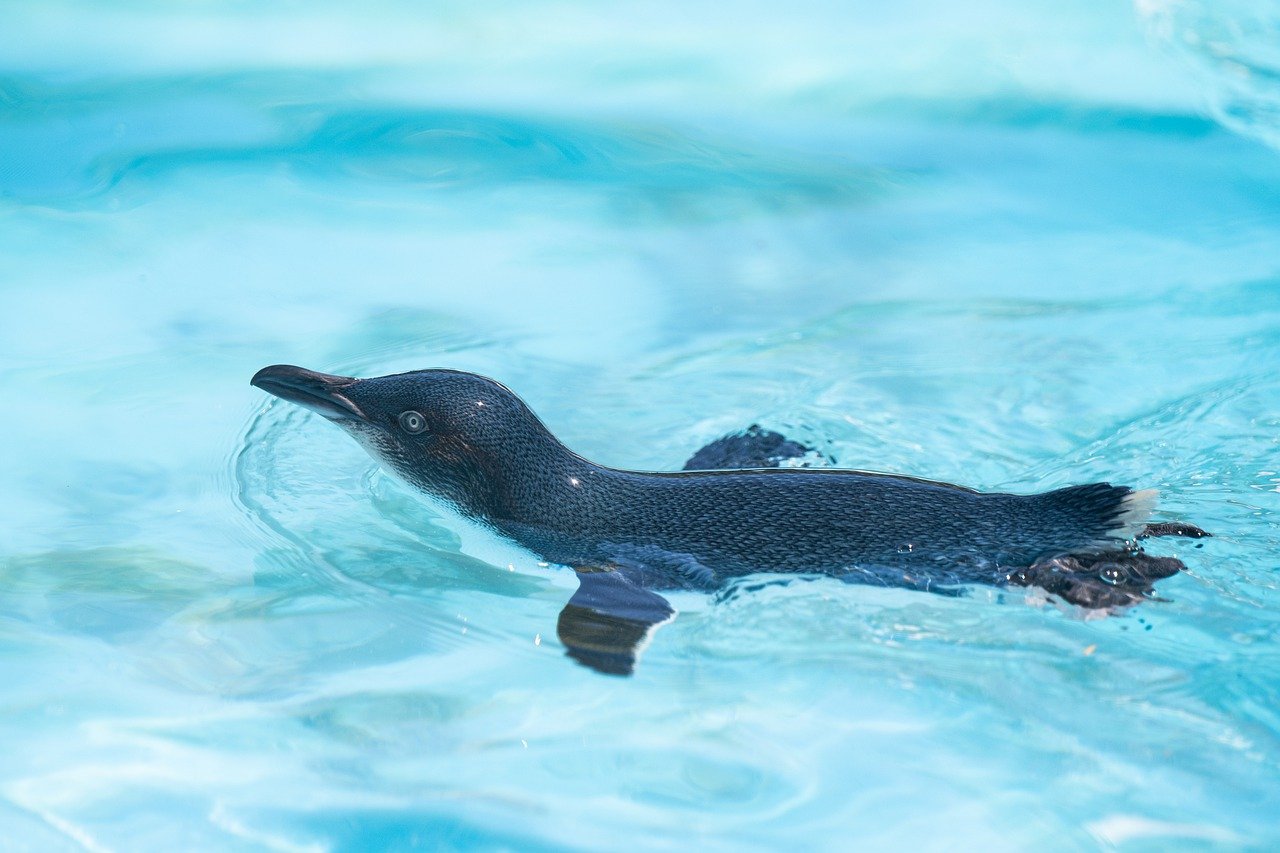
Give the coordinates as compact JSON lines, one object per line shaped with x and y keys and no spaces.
{"x":1012,"y":245}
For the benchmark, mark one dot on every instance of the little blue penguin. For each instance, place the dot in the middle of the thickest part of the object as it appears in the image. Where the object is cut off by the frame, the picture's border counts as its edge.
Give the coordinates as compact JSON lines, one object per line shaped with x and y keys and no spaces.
{"x":471,"y":442}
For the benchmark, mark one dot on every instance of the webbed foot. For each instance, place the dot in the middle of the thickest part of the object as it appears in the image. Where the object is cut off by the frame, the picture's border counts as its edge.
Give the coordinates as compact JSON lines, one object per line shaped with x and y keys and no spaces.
{"x":752,"y":448}
{"x":1098,"y":581}
{"x":1173,"y":528}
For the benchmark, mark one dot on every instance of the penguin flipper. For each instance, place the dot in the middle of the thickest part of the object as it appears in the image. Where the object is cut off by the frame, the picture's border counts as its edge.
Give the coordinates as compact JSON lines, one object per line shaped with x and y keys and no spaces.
{"x":608,"y":621}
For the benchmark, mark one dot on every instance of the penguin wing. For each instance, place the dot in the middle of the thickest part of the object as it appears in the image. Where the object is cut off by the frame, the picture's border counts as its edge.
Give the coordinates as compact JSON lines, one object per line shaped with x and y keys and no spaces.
{"x":609,"y":620}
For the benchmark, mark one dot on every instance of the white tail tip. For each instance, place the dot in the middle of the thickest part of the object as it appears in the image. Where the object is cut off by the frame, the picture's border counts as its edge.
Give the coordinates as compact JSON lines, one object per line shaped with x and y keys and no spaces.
{"x":1135,"y":509}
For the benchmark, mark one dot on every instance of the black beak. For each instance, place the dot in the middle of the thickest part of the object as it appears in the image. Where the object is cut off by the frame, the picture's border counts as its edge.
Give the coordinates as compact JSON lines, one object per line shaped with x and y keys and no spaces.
{"x":319,"y":392}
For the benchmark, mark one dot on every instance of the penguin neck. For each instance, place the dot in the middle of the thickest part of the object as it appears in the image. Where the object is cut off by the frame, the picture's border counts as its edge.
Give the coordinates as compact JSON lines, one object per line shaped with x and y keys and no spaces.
{"x":525,"y":478}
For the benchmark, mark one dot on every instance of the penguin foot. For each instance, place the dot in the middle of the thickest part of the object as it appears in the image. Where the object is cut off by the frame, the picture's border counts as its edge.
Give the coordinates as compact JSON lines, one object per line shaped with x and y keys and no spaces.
{"x":753,"y":448}
{"x":1098,"y":581}
{"x":1173,"y":528}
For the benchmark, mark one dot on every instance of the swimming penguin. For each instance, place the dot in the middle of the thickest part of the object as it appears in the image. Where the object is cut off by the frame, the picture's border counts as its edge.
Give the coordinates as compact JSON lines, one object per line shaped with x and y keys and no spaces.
{"x":471,"y":442}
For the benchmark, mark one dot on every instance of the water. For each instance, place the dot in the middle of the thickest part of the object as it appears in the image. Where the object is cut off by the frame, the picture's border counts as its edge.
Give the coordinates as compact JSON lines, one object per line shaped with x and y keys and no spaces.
{"x":1015,"y":246}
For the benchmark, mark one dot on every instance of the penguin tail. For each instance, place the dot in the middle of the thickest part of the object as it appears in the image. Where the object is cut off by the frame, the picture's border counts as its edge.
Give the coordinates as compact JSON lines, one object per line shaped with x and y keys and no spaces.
{"x":1096,"y":517}
{"x":1135,"y":508}
{"x":1103,"y":569}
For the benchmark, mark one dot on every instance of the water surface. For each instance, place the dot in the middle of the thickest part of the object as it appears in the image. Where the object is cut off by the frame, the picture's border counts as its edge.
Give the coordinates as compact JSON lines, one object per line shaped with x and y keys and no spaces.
{"x":1014,"y":246}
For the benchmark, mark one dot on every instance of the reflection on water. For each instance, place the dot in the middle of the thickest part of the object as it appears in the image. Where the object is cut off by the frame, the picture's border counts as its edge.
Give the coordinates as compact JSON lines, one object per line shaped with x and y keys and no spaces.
{"x":996,"y":245}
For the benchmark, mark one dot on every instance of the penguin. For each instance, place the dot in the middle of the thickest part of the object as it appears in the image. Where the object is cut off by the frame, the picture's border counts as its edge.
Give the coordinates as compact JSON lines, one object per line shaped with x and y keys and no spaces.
{"x":471,"y":442}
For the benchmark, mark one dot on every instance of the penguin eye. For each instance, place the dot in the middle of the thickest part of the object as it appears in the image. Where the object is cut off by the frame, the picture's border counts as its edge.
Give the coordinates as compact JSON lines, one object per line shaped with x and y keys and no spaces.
{"x":412,"y":422}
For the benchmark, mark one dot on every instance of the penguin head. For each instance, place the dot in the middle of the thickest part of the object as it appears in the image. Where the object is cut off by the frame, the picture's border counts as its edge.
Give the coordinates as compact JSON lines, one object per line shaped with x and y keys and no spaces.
{"x":457,"y":435}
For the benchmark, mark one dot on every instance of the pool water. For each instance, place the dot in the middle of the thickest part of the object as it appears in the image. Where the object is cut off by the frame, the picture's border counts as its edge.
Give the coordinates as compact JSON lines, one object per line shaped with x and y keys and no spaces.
{"x":1011,"y":245}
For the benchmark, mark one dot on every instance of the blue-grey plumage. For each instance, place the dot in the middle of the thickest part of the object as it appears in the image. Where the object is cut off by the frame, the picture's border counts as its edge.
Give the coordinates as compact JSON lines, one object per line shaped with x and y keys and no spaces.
{"x":474,"y":443}
{"x":470,"y":441}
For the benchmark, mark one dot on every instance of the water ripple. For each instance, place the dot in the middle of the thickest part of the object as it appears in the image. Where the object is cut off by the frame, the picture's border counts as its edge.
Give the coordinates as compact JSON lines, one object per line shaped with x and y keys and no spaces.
{"x":141,"y":132}
{"x":1234,"y":43}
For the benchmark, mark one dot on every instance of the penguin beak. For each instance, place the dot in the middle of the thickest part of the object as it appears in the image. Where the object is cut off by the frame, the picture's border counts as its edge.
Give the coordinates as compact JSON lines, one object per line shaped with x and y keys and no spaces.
{"x":319,"y":392}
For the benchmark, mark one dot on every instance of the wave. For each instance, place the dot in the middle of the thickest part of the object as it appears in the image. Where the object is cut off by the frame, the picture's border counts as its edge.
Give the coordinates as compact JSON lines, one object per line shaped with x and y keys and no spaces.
{"x":1235,"y":46}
